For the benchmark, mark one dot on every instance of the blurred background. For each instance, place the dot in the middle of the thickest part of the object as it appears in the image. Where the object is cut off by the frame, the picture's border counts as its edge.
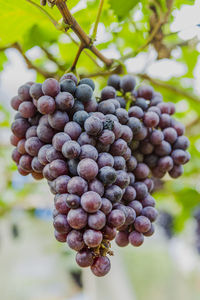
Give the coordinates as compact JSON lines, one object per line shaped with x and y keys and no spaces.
{"x":159,"y":42}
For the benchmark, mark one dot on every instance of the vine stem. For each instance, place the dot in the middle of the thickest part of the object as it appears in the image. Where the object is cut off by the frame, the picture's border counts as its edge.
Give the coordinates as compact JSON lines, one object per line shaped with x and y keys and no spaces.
{"x":84,"y":38}
{"x":94,"y":34}
{"x":80,"y":49}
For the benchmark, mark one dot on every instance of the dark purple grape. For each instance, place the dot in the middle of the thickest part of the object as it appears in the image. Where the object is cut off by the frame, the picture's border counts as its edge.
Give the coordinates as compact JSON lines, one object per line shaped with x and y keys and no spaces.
{"x":142,"y":103}
{"x":150,"y":212}
{"x":142,"y":133}
{"x":105,"y":159}
{"x":151,"y":160}
{"x":27,"y":109}
{"x":87,"y":81}
{"x":116,"y":218}
{"x":19,"y":127}
{"x":91,"y":106}
{"x":47,"y":173}
{"x":179,"y":127}
{"x":84,"y":139}
{"x":52,"y":154}
{"x":150,"y":232}
{"x":96,"y":186}
{"x":16,"y":155}
{"x":142,"y":224}
{"x":72,"y":201}
{"x":61,"y":184}
{"x":60,"y":224}
{"x":77,"y":186}
{"x":14,"y":140}
{"x":109,"y":232}
{"x":149,"y":183}
{"x":21,"y":146}
{"x":179,"y":156}
{"x":129,"y":194}
{"x":135,"y":125}
{"x":58,"y":167}
{"x":145,"y":91}
{"x":59,"y":139}
{"x":127,"y":154}
{"x":22,"y":172}
{"x":141,"y":171}
{"x":78,"y":106}
{"x":45,"y":133}
{"x":83,"y":93}
{"x":122,"y":115}
{"x":127,"y":133}
{"x":87,"y":169}
{"x":75,"y":240}
{"x":88,"y":151}
{"x":170,"y":135}
{"x":51,"y":87}
{"x":92,"y":238}
{"x":36,"y":165}
{"x":163,"y":149}
{"x":77,"y":218}
{"x":23,"y":92}
{"x":136,"y":239}
{"x":119,"y":163}
{"x":182,"y":142}
{"x":58,"y":119}
{"x":131,"y":178}
{"x":127,"y":83}
{"x":71,"y":149}
{"x":121,"y":101}
{"x":119,"y":147}
{"x":165,"y":121}
{"x":151,"y":119}
{"x":114,"y":81}
{"x":25,"y":162}
{"x":102,"y":148}
{"x":68,"y":85}
{"x":131,"y":215}
{"x":106,"y":107}
{"x":131,"y":164}
{"x":137,"y":206}
{"x":117,"y":129}
{"x":106,"y":206}
{"x":136,"y":111}
{"x":42,"y":154}
{"x":97,"y":220}
{"x":146,"y":147}
{"x":148,"y":200}
{"x":165,"y":163}
{"x":123,"y":179}
{"x":31,"y":132}
{"x":113,"y":193}
{"x":107,"y":137}
{"x":122,"y":239}
{"x":93,"y":126}
{"x":15,"y":102}
{"x":73,"y":129}
{"x":36,"y":91}
{"x":64,"y":101}
{"x":141,"y":190}
{"x":176,"y":171}
{"x":156,"y":137}
{"x":46,"y":105}
{"x":33,"y":145}
{"x":91,"y":202}
{"x":60,"y":204}
{"x":60,"y":237}
{"x":84,"y":258}
{"x":108,"y":92}
{"x":107,"y":175}
{"x":101,"y":266}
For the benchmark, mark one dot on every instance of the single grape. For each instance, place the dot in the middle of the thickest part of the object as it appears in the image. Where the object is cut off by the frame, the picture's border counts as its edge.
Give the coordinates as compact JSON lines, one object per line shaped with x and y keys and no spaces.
{"x":60,"y":204}
{"x":77,"y":218}
{"x":36,"y":91}
{"x":58,"y":167}
{"x":45,"y":133}
{"x":52,"y":154}
{"x":72,"y":201}
{"x":93,"y":125}
{"x":25,"y":162}
{"x":85,"y":139}
{"x":58,"y":119}
{"x":113,"y":193}
{"x":97,"y":220}
{"x":46,"y":105}
{"x":87,"y":81}
{"x":164,"y":148}
{"x":36,"y":165}
{"x":141,"y":171}
{"x":109,"y":232}
{"x":129,"y":194}
{"x":60,"y":224}
{"x":137,"y":206}
{"x":61,"y":184}
{"x":60,"y":237}
{"x":108,"y":92}
{"x":106,"y":107}
{"x":136,"y":111}
{"x":145,"y":91}
{"x":59,"y":140}
{"x":135,"y":125}
{"x":14,"y":140}
{"x":127,"y":133}
{"x":16,"y":155}
{"x":123,"y":179}
{"x":31,"y":132}
{"x":156,"y":137}
{"x":179,"y":156}
{"x":64,"y":101}
{"x":73,"y":129}
{"x":91,"y":202}
{"x":84,"y":258}
{"x":106,"y":206}
{"x":88,"y":151}
{"x":96,"y":186}
{"x":151,"y":119}
{"x":77,"y":186}
{"x":170,"y":135}
{"x":51,"y":87}
{"x":150,"y":212}
{"x":42,"y":154}
{"x":15,"y":102}
{"x":136,"y":239}
{"x":119,"y":163}
{"x":33,"y":145}
{"x":141,"y":190}
{"x":19,"y":127}
{"x":182,"y":143}
{"x":131,"y":164}
{"x":69,"y":76}
{"x":116,"y":218}
{"x":122,"y":239}
{"x":114,"y":81}
{"x":75,"y":240}
{"x":176,"y":171}
{"x":127,"y":83}
{"x":165,"y":163}
{"x":71,"y":149}
{"x":107,"y":175}
{"x":23,"y":92}
{"x":68,"y":85}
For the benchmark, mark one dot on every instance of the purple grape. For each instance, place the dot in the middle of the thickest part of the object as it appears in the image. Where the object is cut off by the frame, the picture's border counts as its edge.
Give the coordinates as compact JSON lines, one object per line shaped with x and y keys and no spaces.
{"x":141,"y":190}
{"x":45,"y":133}
{"x":163,"y":149}
{"x":106,"y":206}
{"x":141,"y":171}
{"x":23,"y":92}
{"x":15,"y":102}
{"x":61,"y":184}
{"x":170,"y":135}
{"x":36,"y":91}
{"x":46,"y":105}
{"x":108,"y":92}
{"x":33,"y":145}
{"x":19,"y":127}
{"x":165,"y":163}
{"x":150,"y":232}
{"x":60,"y":237}
{"x":116,"y":218}
{"x":58,"y":119}
{"x":127,"y":83}
{"x":127,"y":134}
{"x":182,"y":143}
{"x":64,"y":101}
{"x":135,"y":125}
{"x":73,"y":201}
{"x":119,"y":163}
{"x":179,"y":156}
{"x":109,"y":233}
{"x":142,"y":224}
{"x":69,"y":76}
{"x":118,"y":147}
{"x":105,"y":159}
{"x":150,"y":212}
{"x":151,"y":160}
{"x":60,"y":224}
{"x":122,"y":239}
{"x":59,"y":139}
{"x":21,"y":146}
{"x":142,"y":103}
{"x":88,"y":151}
{"x":47,"y":173}
{"x":117,"y":129}
{"x":73,"y":129}
{"x":131,"y":178}
{"x":129,"y":194}
{"x":51,"y":87}
{"x":77,"y":186}
{"x":176,"y":171}
{"x":42,"y":154}
{"x":27,"y":109}
{"x":113,"y":193}
{"x":92,"y":238}
{"x":91,"y":202}
{"x":145,"y":91}
{"x":136,"y":239}
{"x":84,"y":139}
{"x":16,"y":155}
{"x":60,"y":204}
{"x":58,"y":167}
{"x":91,"y":106}
{"x":179,"y":127}
{"x":96,"y":186}
{"x":131,"y":215}
{"x":97,"y":220}
{"x":151,"y":119}
{"x":101,"y":266}
{"x":131,"y":164}
{"x":141,"y":134}
{"x":106,"y":107}
{"x":146,"y":147}
{"x":165,"y":121}
{"x":71,"y":149}
{"x":84,"y":258}
{"x":123,"y":179}
{"x":148,"y":200}
{"x":31,"y":132}
{"x":36,"y":165}
{"x":136,"y":111}
{"x":107,"y":175}
{"x":137,"y":206}
{"x":107,"y":137}
{"x":114,"y":81}
{"x":87,"y":169}
{"x":77,"y":218}
{"x":25,"y":162}
{"x":156,"y":137}
{"x":75,"y":240}
{"x":93,"y":126}
{"x":83,"y":93}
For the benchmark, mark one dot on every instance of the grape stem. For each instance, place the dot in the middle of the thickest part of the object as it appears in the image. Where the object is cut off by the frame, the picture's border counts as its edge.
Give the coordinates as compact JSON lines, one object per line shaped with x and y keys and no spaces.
{"x":94,"y":33}
{"x":80,"y":49}
{"x":84,"y":38}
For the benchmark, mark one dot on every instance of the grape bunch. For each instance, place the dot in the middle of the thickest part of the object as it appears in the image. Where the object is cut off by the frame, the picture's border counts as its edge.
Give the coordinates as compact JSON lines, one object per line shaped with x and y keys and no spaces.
{"x":99,"y":158}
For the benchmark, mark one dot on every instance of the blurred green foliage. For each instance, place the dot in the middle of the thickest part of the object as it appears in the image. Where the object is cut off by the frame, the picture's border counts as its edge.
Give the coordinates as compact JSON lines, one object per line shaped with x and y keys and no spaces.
{"x":127,"y":27}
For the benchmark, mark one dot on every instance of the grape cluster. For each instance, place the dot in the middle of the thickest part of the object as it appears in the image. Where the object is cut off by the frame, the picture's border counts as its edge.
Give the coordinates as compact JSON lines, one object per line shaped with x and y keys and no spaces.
{"x":99,"y":158}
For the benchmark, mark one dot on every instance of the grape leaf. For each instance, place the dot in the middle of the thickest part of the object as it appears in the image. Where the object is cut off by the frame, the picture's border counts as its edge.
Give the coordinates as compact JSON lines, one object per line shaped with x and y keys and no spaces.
{"x":122,"y":8}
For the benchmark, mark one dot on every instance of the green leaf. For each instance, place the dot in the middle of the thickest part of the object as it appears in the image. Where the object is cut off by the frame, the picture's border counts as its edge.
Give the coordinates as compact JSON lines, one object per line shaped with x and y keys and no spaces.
{"x":122,"y":8}
{"x":3,"y":60}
